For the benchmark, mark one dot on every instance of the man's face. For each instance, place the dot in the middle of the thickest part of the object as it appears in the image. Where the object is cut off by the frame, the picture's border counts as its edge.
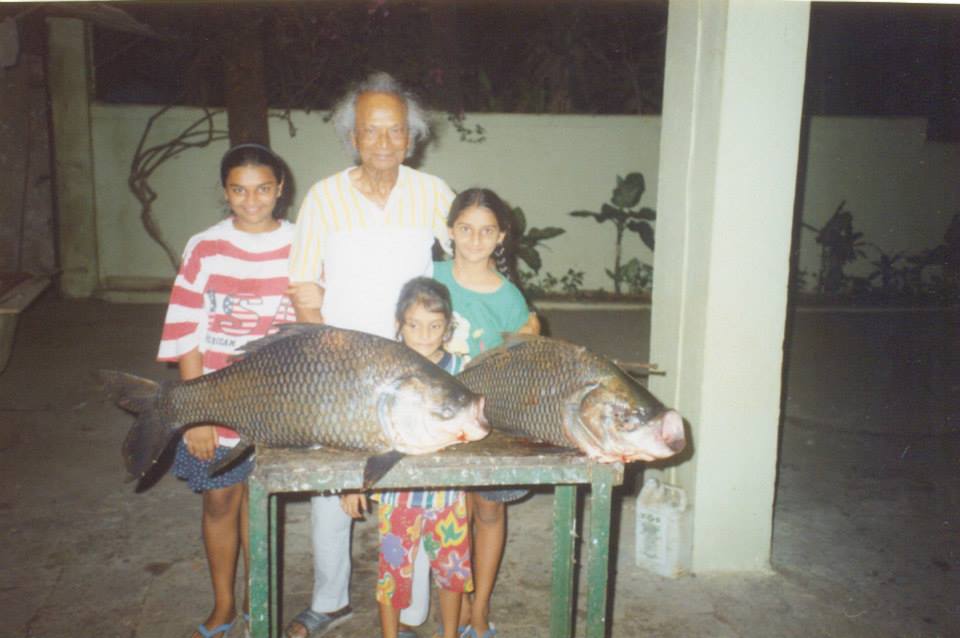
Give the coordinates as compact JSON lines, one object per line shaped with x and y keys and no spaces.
{"x":380,"y":134}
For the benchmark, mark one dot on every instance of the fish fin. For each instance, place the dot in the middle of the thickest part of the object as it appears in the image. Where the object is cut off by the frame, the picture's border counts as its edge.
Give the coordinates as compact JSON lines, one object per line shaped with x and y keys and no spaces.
{"x":284,"y":331}
{"x":238,"y":451}
{"x":149,"y":436}
{"x":145,"y":442}
{"x":510,"y":342}
{"x":377,"y":466}
{"x":130,"y":392}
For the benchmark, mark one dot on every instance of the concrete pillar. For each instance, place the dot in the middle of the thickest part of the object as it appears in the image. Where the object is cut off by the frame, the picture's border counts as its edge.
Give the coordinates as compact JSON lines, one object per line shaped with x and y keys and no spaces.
{"x":728,"y":159}
{"x":69,"y":84}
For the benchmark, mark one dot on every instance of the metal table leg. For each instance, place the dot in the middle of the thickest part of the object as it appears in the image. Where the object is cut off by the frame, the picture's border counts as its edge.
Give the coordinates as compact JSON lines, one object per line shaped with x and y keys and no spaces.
{"x":564,"y":530}
{"x":601,"y":500}
{"x":261,"y":622}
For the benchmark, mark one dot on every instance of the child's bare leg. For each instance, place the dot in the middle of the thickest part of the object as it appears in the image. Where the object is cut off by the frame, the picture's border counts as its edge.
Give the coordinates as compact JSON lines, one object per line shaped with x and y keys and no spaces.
{"x":489,"y":533}
{"x":389,"y":620}
{"x":221,"y":540}
{"x":449,"y":611}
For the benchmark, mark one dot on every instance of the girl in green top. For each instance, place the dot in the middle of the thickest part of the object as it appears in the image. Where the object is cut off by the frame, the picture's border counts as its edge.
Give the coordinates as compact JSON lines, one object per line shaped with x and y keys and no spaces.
{"x":486,"y":304}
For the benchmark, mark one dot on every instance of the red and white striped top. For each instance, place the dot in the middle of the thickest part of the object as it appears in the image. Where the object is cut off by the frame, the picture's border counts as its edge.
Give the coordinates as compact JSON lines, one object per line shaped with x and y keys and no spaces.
{"x":229,"y":292}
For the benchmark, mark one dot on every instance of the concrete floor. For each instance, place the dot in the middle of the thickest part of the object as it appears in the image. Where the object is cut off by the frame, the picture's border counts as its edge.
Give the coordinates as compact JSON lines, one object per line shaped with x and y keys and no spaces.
{"x":866,"y":531}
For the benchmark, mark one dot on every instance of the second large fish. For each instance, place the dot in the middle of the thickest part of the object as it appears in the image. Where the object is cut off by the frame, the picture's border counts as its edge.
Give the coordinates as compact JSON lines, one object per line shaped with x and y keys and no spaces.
{"x":560,"y":393}
{"x":307,"y":386}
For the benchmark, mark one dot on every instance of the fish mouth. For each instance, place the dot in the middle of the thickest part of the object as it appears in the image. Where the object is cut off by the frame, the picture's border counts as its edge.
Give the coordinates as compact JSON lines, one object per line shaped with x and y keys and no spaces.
{"x":481,"y":427}
{"x":671,"y":431}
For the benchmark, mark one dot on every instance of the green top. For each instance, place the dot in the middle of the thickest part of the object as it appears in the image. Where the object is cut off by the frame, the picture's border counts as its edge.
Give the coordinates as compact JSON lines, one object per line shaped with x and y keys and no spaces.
{"x":481,"y":318}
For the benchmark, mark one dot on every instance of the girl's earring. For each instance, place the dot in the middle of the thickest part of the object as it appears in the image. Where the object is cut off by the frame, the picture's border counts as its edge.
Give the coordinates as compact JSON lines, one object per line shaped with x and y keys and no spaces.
{"x":498,"y":251}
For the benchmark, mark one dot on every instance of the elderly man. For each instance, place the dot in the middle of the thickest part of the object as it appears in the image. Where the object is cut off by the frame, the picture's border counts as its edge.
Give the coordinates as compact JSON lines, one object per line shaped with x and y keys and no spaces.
{"x":361,"y":234}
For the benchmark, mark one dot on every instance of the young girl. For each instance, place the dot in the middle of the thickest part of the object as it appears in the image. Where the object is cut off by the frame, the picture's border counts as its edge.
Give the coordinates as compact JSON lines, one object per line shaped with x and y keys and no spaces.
{"x":229,"y":291}
{"x":486,"y":305}
{"x":432,"y":521}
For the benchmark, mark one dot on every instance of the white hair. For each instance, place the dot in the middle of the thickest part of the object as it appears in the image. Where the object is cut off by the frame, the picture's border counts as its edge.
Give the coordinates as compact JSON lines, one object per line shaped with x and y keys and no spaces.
{"x":344,"y":114}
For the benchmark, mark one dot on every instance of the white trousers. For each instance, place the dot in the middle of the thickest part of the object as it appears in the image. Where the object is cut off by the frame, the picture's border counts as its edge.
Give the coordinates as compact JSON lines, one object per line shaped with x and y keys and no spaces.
{"x":331,"y":554}
{"x":330,"y":533}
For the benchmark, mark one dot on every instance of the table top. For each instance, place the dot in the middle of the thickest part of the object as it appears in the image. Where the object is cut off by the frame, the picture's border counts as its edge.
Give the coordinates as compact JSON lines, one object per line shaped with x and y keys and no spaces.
{"x":498,"y":459}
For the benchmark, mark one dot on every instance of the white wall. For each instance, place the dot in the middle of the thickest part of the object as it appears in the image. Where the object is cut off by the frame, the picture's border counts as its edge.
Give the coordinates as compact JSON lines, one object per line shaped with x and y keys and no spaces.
{"x":548,"y":165}
{"x":901,"y":189}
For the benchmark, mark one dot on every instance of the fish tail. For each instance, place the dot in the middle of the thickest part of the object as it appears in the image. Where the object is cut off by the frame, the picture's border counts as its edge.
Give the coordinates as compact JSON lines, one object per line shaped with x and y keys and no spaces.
{"x":151,"y":433}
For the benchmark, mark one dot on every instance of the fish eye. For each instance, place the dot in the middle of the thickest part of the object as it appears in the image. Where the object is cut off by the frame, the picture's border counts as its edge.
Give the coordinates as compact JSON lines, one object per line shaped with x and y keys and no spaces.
{"x":446,"y":413}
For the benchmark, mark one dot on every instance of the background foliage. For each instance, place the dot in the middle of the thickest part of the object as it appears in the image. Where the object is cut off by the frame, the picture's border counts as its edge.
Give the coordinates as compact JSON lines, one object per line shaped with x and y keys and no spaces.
{"x":492,"y":56}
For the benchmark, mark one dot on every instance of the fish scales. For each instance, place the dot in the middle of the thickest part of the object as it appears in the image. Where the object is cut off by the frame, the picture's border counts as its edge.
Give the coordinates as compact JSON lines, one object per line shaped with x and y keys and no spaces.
{"x":307,"y":386}
{"x":525,"y":387}
{"x":292,"y":397}
{"x":561,"y":393}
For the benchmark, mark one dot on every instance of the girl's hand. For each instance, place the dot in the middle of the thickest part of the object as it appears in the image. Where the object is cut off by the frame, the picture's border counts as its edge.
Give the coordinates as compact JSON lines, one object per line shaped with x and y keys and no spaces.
{"x":532,"y":327}
{"x":306,"y":294}
{"x":307,"y":300}
{"x":201,"y":441}
{"x":354,"y":504}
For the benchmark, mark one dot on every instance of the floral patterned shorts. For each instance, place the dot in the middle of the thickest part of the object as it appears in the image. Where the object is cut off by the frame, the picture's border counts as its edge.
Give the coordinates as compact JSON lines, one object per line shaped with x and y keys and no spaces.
{"x":446,"y":540}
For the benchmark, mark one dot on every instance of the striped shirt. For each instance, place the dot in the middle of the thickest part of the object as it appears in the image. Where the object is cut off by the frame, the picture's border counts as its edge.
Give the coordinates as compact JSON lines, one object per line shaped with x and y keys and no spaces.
{"x":229,"y":292}
{"x":362,"y":254}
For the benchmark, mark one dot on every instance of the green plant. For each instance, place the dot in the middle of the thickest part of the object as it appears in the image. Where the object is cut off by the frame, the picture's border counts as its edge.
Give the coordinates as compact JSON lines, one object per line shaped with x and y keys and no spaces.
{"x":536,"y":285}
{"x":528,"y":242}
{"x":840,"y":246}
{"x":571,"y":282}
{"x":946,"y":256}
{"x":889,"y":277}
{"x":620,"y":210}
{"x":638,"y":276}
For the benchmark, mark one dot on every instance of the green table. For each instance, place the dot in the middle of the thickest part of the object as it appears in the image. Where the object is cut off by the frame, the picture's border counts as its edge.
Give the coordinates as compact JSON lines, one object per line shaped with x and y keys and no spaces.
{"x":497,"y":460}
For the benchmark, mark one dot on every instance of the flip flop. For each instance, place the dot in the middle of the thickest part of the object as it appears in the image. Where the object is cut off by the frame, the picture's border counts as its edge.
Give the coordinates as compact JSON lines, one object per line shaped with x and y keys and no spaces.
{"x":317,"y":624}
{"x":220,"y":631}
{"x":470,"y":632}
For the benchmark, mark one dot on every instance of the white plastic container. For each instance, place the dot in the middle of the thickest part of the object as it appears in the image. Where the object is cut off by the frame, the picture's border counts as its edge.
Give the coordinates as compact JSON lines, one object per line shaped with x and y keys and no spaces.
{"x":663,"y":529}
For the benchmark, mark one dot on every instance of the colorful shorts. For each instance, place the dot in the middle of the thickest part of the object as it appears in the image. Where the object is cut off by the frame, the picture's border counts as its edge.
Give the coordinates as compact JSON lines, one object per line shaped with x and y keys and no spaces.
{"x":446,"y":540}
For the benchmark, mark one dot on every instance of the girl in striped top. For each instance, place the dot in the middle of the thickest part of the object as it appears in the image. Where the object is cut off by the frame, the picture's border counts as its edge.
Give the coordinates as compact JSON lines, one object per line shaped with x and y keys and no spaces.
{"x":230,"y":290}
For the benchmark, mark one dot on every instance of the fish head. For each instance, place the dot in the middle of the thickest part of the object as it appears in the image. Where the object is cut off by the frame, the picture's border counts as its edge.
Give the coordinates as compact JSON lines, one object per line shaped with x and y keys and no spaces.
{"x":618,"y":420}
{"x":423,"y":414}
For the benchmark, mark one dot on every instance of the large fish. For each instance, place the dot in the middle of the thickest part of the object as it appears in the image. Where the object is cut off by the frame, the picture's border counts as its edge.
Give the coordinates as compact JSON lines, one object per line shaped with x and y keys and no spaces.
{"x":560,"y":393}
{"x":308,"y":386}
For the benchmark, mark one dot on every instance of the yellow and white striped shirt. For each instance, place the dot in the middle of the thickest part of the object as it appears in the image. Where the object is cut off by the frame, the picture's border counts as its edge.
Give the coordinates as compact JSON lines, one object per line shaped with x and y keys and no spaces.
{"x":363,"y":254}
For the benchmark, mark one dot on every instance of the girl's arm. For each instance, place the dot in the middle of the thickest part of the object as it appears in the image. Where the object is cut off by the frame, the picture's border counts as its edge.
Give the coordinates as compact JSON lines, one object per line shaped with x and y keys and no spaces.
{"x":201,"y":440}
{"x":307,"y":300}
{"x":531,"y":327}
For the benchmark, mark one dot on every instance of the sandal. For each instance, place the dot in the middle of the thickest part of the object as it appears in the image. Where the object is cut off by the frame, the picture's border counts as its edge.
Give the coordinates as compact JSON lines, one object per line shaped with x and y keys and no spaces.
{"x":470,"y":632}
{"x":220,"y":631}
{"x":461,"y":631}
{"x":318,"y":624}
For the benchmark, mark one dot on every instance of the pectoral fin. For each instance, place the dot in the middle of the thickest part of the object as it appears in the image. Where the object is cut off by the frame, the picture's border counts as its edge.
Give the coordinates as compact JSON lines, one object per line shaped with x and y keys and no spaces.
{"x":377,"y":466}
{"x":238,"y":452}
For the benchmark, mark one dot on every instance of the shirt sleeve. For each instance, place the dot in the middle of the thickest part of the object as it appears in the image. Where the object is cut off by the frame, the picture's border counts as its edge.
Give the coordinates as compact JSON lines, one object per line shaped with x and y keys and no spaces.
{"x":439,"y":222}
{"x":186,"y":317}
{"x":306,"y":252}
{"x":518,"y":312}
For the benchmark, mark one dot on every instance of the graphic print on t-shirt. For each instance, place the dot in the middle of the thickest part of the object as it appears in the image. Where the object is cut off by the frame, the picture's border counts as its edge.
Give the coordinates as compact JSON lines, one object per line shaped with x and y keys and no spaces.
{"x":458,"y":343}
